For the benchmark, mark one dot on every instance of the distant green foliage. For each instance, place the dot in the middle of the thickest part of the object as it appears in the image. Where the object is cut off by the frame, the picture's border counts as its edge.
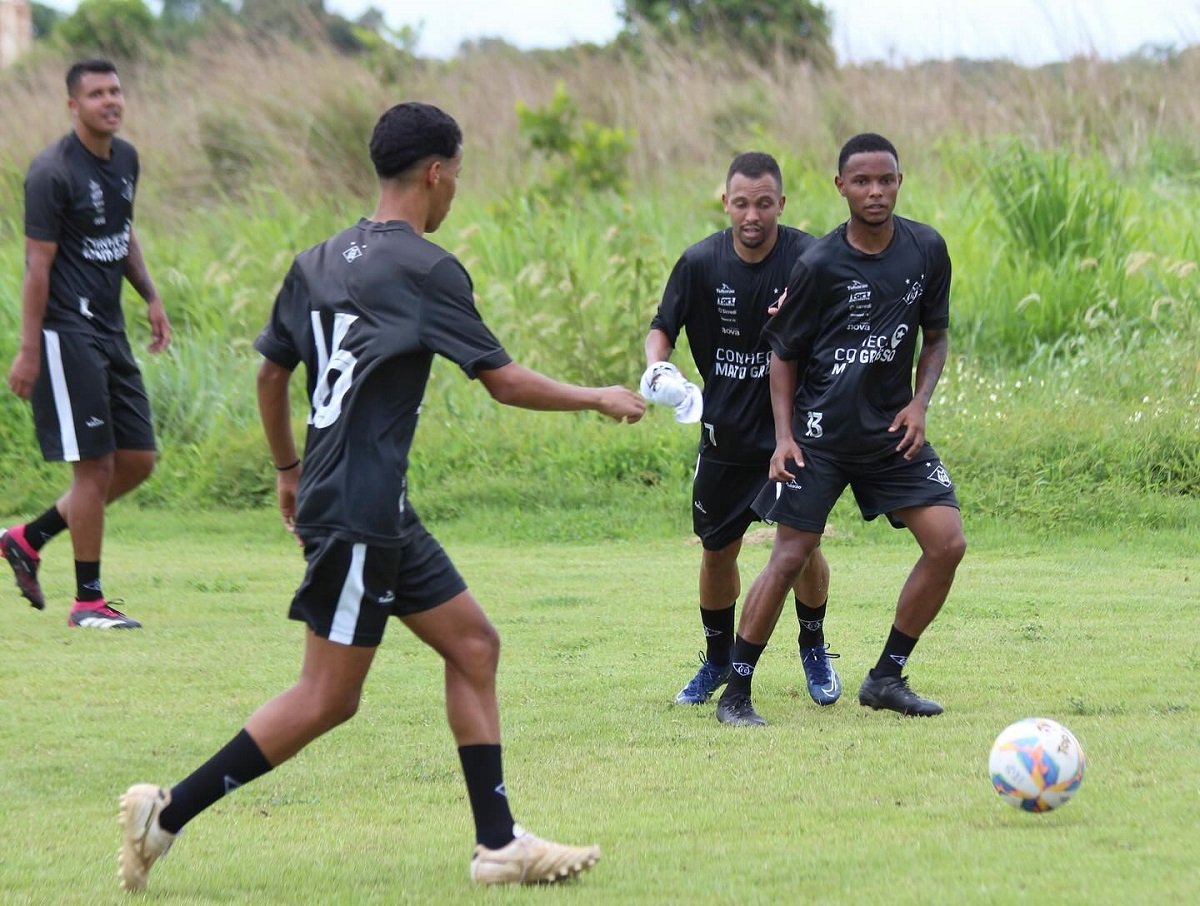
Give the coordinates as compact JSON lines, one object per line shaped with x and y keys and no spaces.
{"x":797,"y":28}
{"x":125,"y":29}
{"x":583,"y":155}
{"x":1056,"y":205}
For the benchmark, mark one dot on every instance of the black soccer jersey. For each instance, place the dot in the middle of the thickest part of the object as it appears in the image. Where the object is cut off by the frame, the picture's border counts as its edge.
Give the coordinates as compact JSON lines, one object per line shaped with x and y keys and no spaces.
{"x":855,"y":318}
{"x":721,"y":302}
{"x":85,"y":205}
{"x":366,"y":311}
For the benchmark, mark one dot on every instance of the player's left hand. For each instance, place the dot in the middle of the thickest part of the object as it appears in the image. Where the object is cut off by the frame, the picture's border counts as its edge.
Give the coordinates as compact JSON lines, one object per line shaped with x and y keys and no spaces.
{"x":160,"y":326}
{"x":912,"y":419}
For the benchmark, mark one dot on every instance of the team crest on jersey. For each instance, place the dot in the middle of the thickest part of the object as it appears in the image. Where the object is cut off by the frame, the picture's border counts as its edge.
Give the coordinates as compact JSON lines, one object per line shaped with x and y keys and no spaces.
{"x":127,"y":189}
{"x":939,"y":474}
{"x":352,"y":253}
{"x":727,"y":309}
{"x":916,"y":288}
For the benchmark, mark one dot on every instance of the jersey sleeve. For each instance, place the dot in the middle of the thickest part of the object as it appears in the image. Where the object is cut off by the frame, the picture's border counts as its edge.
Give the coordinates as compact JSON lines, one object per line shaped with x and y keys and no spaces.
{"x":935,"y":303}
{"x":276,"y":341}
{"x":673,"y":309}
{"x":46,"y":192}
{"x":451,"y":325}
{"x":791,"y":331}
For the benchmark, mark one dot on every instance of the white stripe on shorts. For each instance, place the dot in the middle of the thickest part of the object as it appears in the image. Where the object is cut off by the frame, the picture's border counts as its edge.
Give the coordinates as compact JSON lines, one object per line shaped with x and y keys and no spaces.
{"x":62,"y":399}
{"x":345,"y":618}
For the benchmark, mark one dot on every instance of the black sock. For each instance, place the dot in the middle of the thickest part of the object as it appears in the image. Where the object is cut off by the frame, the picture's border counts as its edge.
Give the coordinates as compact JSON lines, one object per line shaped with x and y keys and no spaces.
{"x":45,"y":527}
{"x":235,"y":765}
{"x":87,"y":580}
{"x":718,"y":634}
{"x":745,"y":657}
{"x":895,"y":654}
{"x":489,"y":800}
{"x":811,"y":620}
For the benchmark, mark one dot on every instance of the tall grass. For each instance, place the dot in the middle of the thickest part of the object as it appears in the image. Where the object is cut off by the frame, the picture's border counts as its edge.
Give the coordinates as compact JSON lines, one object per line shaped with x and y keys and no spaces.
{"x":1066,"y":194}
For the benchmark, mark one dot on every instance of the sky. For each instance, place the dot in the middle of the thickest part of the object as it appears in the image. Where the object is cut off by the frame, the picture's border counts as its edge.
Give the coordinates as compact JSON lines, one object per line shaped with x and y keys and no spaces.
{"x":1028,"y":31}
{"x":1031,"y":32}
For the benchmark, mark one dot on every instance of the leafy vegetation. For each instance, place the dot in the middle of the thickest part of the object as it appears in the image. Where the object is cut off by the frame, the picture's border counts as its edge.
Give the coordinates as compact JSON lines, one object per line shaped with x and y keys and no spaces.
{"x":1073,"y":388}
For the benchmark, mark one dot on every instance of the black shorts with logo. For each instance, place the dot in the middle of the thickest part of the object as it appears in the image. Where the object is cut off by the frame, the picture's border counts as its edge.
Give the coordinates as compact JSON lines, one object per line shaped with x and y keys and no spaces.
{"x":881,"y":486}
{"x":89,"y":399}
{"x":723,"y":495}
{"x":351,"y":588}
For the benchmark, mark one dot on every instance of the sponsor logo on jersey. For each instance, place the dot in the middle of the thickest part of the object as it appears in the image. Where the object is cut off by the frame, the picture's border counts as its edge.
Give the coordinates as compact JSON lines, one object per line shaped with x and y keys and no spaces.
{"x":899,"y":335}
{"x":127,"y":189}
{"x":698,"y":505}
{"x":85,"y":307}
{"x":731,"y":363}
{"x":107,"y":249}
{"x":97,"y":196}
{"x":727,"y":309}
{"x":94,"y":422}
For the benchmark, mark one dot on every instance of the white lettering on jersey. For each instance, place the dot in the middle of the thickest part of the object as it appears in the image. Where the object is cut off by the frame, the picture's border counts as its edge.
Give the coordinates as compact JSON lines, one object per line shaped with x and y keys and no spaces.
{"x":326,"y":400}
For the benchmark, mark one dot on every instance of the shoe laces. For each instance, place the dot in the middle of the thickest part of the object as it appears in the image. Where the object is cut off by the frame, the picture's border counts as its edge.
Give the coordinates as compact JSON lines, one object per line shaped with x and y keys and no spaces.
{"x":706,"y":676}
{"x":816,"y":662}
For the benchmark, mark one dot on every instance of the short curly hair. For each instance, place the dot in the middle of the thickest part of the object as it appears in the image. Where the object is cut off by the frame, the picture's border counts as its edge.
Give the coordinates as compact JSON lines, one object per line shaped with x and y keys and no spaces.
{"x":409,"y":133}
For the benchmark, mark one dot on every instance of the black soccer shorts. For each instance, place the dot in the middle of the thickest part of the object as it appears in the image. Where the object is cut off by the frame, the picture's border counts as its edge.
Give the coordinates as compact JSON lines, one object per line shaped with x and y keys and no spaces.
{"x":89,"y":399}
{"x":722,"y":498}
{"x":351,"y":588}
{"x":881,"y":486}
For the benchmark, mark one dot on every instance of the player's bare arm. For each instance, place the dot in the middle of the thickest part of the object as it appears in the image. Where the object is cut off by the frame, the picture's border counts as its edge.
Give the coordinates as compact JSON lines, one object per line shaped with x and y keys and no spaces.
{"x":138,"y":276}
{"x":658,"y":347}
{"x":274,"y":409}
{"x":35,"y":294}
{"x":935,"y":345}
{"x":783,"y":395}
{"x":515,"y":385}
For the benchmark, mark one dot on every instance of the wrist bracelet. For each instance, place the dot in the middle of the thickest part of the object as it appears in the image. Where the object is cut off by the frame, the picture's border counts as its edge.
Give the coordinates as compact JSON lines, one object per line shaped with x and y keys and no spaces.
{"x":287,"y":468}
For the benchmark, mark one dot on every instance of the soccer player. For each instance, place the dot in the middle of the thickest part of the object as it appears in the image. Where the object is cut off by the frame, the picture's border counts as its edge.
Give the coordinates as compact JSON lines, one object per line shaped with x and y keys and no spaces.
{"x":846,"y":337}
{"x":366,"y":311}
{"x":74,"y":362}
{"x":719,"y":294}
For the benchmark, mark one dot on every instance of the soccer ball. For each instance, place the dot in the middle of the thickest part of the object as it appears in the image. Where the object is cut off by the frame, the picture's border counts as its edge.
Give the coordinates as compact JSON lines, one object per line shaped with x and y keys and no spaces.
{"x":1036,"y":764}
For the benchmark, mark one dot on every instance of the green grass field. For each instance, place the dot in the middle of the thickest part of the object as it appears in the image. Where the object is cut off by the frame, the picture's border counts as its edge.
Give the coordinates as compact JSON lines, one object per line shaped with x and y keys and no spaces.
{"x":841,"y":805}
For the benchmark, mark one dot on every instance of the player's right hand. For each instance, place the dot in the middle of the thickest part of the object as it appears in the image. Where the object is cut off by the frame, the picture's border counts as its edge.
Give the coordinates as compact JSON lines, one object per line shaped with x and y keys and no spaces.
{"x":286,"y":484}
{"x":23,"y":374}
{"x":785,"y":451}
{"x":621,"y":404}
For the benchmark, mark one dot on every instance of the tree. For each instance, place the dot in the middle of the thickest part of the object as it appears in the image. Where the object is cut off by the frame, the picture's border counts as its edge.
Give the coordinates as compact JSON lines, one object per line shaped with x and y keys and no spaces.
{"x":44,"y":19}
{"x":798,"y":28}
{"x":118,"y":28}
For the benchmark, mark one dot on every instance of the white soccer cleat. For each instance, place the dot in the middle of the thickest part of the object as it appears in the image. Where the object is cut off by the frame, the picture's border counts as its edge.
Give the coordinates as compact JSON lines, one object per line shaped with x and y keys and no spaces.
{"x":531,"y":860}
{"x":143,"y":841}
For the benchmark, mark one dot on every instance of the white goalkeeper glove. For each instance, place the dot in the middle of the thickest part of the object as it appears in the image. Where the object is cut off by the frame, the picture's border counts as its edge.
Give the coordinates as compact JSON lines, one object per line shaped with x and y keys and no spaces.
{"x":663,"y":383}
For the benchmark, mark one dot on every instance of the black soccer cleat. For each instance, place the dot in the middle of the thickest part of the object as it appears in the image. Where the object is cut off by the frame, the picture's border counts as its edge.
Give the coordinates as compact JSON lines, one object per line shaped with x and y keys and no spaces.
{"x":893,"y":693}
{"x":738,"y":711}
{"x":24,"y":565}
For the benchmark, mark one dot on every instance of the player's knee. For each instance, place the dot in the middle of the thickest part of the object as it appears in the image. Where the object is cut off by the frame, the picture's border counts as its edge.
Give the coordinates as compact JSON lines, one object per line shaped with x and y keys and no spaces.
{"x":335,"y":709}
{"x":950,"y":551}
{"x":476,"y":651}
